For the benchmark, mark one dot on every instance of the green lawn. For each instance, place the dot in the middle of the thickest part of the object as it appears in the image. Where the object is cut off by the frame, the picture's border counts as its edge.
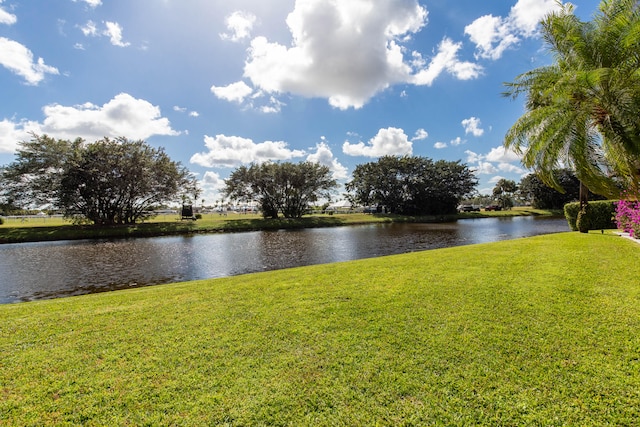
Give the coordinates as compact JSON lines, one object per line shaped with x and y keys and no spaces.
{"x":535,"y":331}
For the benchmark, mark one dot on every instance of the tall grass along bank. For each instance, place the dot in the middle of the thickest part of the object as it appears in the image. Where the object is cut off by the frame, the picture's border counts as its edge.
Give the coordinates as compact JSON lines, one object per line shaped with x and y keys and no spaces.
{"x":535,"y":331}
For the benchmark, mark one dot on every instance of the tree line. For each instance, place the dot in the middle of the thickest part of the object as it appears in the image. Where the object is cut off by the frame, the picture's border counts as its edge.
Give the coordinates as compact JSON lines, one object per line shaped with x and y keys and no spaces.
{"x":402,"y":185}
{"x":118,"y":181}
{"x":533,"y":191}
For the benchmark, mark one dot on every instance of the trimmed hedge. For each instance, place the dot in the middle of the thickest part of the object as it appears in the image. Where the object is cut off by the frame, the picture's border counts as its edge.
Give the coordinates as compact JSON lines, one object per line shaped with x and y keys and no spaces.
{"x":600,"y":215}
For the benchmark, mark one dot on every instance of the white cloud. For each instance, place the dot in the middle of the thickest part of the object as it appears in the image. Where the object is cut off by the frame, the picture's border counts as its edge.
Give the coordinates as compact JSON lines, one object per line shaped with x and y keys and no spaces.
{"x":240,"y":24}
{"x":484,"y":168}
{"x":389,"y":141}
{"x":19,"y":60}
{"x":473,"y":157}
{"x":440,"y":145}
{"x":349,"y":51}
{"x":91,"y":3}
{"x":273,"y":106}
{"x":11,"y":133}
{"x":6,"y":17}
{"x":472,"y":126}
{"x":510,"y":168}
{"x":212,"y":186}
{"x":496,"y":178}
{"x":124,"y":115}
{"x":346,"y":51}
{"x":89,"y":29}
{"x":501,"y":154}
{"x":447,"y":60}
{"x":235,"y":92}
{"x":114,"y":32}
{"x":420,"y":135}
{"x":527,"y":14}
{"x":493,"y":35}
{"x":457,"y":141}
{"x":184,"y":110}
{"x":233,"y":151}
{"x":324,"y":156}
{"x":486,"y":164}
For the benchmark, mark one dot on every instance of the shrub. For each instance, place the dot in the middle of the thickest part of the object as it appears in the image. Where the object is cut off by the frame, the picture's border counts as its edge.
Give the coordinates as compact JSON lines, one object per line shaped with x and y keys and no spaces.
{"x":600,"y":215}
{"x":1,"y":220}
{"x":628,"y":217}
{"x":198,"y":216}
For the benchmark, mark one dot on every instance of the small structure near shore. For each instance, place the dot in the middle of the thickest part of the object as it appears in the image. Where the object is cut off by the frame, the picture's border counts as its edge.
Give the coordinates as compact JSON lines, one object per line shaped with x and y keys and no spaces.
{"x":187,"y":212}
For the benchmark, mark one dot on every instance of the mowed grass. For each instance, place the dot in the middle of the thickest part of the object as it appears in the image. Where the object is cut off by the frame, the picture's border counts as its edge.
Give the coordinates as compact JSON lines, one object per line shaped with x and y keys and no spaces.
{"x":535,"y":331}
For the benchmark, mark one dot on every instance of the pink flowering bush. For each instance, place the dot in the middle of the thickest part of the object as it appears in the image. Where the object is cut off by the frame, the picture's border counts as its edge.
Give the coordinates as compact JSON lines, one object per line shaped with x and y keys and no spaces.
{"x":628,"y":217}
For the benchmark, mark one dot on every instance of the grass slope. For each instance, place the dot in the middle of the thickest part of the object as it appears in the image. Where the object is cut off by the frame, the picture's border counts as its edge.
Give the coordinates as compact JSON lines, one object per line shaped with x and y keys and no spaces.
{"x":536,"y":331}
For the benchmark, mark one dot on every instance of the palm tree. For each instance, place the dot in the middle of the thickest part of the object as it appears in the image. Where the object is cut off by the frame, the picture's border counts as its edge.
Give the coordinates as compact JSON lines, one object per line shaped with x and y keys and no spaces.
{"x":583,"y":111}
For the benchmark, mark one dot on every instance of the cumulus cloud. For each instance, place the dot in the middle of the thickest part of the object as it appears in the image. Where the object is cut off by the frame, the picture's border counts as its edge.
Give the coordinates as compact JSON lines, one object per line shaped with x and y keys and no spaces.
{"x":12,"y":132}
{"x":233,"y":151}
{"x":493,"y":35}
{"x":235,"y":92}
{"x":472,"y":126}
{"x":124,"y":115}
{"x":440,"y":145}
{"x":240,"y":24}
{"x":6,"y":17}
{"x":19,"y":60}
{"x":501,"y":154}
{"x":348,"y":51}
{"x":389,"y":141}
{"x":420,"y":135}
{"x":325,"y":157}
{"x":211,"y":185}
{"x":497,"y":160}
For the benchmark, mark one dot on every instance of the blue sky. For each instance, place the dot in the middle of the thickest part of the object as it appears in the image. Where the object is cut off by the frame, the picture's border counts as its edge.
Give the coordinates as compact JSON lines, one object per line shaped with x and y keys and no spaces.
{"x":222,"y":83}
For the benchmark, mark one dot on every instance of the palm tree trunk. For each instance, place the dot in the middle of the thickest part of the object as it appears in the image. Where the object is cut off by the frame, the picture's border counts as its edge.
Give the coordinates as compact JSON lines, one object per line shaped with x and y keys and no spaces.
{"x":584,"y":195}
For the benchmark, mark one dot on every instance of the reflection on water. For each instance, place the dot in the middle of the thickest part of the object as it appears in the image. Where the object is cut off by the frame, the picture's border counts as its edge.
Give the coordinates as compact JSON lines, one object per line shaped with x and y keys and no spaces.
{"x":30,"y":271}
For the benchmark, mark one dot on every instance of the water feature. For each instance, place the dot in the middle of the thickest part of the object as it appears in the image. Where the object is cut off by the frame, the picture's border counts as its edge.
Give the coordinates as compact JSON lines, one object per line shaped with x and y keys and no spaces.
{"x":30,"y":271}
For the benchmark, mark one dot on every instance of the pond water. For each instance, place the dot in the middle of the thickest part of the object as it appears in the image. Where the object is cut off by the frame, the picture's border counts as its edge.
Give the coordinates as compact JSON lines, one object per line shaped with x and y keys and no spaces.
{"x":31,"y":271}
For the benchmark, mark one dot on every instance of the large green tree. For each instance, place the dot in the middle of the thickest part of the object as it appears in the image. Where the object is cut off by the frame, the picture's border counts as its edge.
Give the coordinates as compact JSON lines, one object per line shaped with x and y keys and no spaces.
{"x":504,"y":191}
{"x":533,"y":190}
{"x":106,"y":182}
{"x":411,"y":185}
{"x":287,"y":188}
{"x":582,"y":111}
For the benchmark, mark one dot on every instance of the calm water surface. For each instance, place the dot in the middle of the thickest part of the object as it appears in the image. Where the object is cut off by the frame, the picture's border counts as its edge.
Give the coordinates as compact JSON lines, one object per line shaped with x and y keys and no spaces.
{"x":31,"y":271}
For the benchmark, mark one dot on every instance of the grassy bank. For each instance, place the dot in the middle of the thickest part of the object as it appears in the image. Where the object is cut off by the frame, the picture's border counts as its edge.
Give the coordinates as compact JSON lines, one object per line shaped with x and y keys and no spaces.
{"x":536,"y":331}
{"x":46,"y":229}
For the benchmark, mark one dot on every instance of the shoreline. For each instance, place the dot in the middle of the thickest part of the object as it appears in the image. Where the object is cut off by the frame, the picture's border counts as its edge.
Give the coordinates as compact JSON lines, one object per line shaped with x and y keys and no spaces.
{"x":213,"y":223}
